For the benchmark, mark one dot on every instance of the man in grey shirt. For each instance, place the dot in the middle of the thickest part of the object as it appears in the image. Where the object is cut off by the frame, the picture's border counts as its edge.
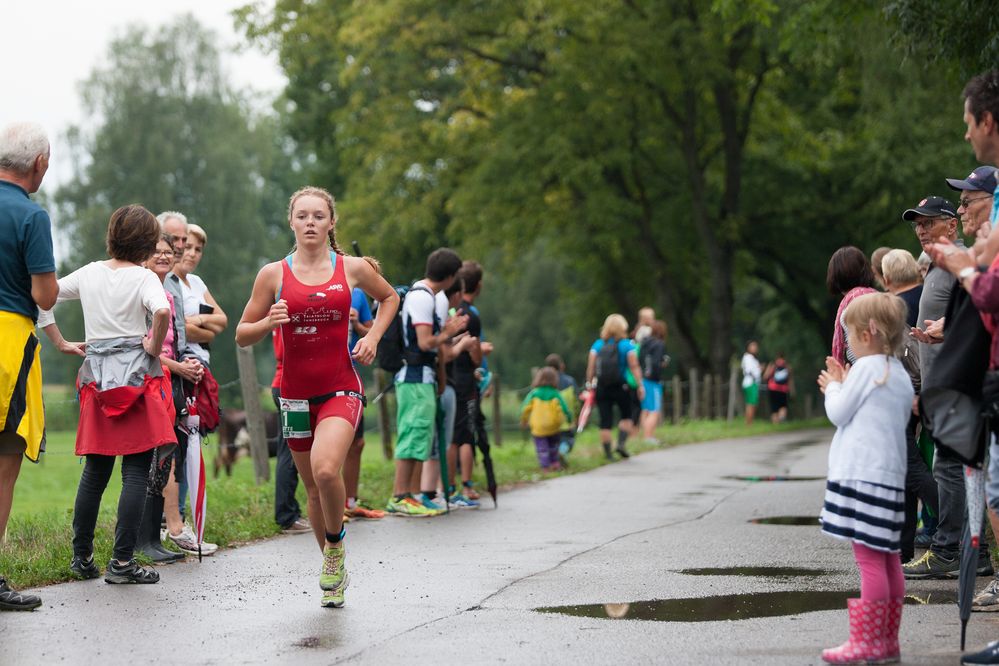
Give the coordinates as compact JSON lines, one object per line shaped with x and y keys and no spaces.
{"x":933,"y":218}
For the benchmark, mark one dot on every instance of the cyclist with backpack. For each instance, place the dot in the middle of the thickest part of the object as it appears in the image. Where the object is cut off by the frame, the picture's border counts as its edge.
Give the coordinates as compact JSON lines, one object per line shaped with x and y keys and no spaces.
{"x":652,"y":360}
{"x":612,"y":357}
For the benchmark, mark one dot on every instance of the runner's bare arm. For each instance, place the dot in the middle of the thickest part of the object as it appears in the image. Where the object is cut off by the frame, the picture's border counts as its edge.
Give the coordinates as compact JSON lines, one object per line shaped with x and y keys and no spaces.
{"x":361,"y":274}
{"x":261,"y":314}
{"x":44,"y":290}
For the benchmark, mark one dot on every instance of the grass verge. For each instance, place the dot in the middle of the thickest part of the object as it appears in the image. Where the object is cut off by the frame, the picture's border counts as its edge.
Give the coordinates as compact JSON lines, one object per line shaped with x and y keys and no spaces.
{"x":39,"y":537}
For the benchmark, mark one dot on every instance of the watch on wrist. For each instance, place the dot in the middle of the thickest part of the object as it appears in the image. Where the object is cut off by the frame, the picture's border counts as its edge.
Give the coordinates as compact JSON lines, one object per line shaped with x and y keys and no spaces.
{"x":966,"y":273}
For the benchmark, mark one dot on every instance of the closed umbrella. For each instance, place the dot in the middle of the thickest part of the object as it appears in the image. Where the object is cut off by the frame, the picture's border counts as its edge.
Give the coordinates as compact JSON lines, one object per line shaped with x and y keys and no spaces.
{"x":588,"y":396}
{"x":974,"y":489}
{"x":195,"y":472}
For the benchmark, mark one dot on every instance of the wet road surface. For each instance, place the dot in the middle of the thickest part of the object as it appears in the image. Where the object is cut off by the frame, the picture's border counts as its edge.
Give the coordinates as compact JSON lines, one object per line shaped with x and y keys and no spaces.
{"x":651,"y":560}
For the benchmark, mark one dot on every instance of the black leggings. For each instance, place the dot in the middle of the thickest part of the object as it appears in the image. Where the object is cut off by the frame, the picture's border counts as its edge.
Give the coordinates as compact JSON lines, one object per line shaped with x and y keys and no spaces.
{"x":96,"y":474}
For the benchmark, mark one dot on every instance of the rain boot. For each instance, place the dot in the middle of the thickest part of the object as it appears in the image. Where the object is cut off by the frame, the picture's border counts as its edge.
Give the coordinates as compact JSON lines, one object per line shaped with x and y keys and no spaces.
{"x":867,"y":625}
{"x":893,"y":620}
{"x":149,"y":533}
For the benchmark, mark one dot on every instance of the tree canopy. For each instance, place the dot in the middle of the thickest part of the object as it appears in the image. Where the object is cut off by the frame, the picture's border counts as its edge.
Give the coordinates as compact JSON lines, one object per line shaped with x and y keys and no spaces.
{"x":170,"y":133}
{"x":705,"y":157}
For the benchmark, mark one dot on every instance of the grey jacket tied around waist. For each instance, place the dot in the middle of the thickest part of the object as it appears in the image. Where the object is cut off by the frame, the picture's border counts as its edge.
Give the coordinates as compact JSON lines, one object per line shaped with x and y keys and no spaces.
{"x":118,"y":362}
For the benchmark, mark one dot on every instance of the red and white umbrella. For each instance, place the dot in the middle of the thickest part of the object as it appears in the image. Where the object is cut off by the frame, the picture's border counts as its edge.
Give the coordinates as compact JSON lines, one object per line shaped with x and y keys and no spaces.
{"x":196,"y":472}
{"x":588,"y":396}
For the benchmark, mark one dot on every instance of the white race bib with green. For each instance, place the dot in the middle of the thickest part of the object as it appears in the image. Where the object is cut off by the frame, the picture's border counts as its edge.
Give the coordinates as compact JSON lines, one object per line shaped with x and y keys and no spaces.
{"x":295,"y":419}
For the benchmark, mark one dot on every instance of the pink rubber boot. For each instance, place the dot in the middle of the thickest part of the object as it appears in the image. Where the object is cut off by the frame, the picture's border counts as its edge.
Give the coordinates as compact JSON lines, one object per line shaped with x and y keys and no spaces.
{"x":893,"y":620}
{"x":867,"y":625}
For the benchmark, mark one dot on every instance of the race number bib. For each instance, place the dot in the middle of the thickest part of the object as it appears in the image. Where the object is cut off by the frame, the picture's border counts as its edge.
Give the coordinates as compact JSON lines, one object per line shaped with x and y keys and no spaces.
{"x":295,"y":419}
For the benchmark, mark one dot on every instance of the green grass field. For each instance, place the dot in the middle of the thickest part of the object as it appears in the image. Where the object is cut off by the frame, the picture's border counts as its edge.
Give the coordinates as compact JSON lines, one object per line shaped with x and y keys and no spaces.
{"x":38,"y":547}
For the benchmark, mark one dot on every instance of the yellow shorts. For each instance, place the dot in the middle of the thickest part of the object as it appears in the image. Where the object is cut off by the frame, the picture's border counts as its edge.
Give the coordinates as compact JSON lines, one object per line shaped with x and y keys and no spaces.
{"x":21,"y":410}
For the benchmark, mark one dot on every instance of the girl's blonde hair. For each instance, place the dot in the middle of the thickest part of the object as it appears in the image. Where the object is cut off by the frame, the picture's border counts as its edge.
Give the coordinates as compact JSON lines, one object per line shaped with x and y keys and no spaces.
{"x":546,"y":376}
{"x":884,"y":316}
{"x":330,"y":202}
{"x":615,"y":326}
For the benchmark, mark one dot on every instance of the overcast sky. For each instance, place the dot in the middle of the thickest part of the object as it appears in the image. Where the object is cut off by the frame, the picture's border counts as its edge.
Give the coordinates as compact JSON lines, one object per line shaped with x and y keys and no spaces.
{"x":50,"y":46}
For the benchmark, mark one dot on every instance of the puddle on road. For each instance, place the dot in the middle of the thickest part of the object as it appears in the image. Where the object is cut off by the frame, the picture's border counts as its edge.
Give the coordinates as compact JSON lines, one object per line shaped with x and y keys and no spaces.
{"x":730,"y":607}
{"x":811,"y":521}
{"x":759,"y":572}
{"x":763,"y":478}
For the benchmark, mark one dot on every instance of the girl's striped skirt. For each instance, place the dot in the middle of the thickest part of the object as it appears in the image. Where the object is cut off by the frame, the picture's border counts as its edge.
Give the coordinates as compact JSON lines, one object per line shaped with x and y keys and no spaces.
{"x":867,"y":513}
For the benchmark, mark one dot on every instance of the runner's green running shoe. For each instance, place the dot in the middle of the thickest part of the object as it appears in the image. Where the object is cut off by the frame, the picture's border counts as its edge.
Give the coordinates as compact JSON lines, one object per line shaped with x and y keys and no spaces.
{"x":334,"y":598}
{"x":333,"y":574}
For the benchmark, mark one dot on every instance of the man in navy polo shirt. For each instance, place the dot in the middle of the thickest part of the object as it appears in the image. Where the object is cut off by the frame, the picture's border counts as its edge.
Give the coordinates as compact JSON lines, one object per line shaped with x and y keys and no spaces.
{"x":27,"y":282}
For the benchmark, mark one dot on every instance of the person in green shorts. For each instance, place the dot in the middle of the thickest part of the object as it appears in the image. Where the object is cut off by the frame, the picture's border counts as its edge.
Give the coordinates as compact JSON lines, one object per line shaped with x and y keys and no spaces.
{"x":416,"y":383}
{"x":751,"y":375}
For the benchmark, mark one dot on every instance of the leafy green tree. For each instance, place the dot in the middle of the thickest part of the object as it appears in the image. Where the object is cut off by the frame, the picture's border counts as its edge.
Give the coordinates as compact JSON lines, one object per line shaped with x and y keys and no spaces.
{"x":171,"y":134}
{"x":962,"y":34}
{"x":666,"y":153}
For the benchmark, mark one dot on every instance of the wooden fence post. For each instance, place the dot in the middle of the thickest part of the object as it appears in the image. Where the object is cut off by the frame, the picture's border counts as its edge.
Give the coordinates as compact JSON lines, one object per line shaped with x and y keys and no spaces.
{"x":709,"y":381}
{"x":733,"y":393}
{"x":693,"y":412}
{"x":254,"y":414}
{"x":677,"y":399}
{"x":384,"y":422}
{"x":497,"y":412}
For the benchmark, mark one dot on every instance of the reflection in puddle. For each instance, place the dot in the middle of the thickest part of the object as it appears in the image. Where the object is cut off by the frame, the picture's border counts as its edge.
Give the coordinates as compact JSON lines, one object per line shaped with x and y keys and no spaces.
{"x":811,"y":521}
{"x":765,"y":572}
{"x":763,"y":478}
{"x":730,"y":607}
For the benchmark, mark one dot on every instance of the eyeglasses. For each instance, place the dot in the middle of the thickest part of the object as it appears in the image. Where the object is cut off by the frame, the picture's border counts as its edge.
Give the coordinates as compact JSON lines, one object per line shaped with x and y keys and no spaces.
{"x":163,"y":253}
{"x":927,"y":223}
{"x":963,"y":203}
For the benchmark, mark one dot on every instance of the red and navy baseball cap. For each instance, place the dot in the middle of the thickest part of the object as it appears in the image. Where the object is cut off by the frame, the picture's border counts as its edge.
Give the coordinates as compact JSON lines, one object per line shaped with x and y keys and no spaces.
{"x":982,"y":179}
{"x":931,"y":207}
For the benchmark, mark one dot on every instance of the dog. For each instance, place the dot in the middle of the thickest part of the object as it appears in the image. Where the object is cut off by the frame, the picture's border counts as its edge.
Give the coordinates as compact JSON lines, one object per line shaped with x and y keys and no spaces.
{"x":234,"y":438}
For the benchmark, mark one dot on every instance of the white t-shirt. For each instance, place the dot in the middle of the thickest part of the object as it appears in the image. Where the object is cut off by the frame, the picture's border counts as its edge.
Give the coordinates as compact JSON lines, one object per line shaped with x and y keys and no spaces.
{"x":115,"y":302}
{"x":751,"y":371}
{"x":870,"y":410}
{"x":419,"y":309}
{"x":194,"y":298}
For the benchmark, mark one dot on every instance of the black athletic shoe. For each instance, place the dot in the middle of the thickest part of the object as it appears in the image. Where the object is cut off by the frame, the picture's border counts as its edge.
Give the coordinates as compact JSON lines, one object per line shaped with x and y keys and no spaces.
{"x":129,"y":573}
{"x":15,"y":601}
{"x":621,"y":452}
{"x":85,"y":570}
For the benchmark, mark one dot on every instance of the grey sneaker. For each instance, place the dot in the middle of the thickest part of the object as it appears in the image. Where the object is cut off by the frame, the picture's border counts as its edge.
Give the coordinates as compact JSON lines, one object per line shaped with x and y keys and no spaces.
{"x":988,"y":599}
{"x":932,"y":566}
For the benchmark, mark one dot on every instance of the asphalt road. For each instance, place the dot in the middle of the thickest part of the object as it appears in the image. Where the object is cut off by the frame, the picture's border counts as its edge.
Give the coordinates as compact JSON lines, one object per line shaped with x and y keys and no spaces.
{"x":464,"y":588}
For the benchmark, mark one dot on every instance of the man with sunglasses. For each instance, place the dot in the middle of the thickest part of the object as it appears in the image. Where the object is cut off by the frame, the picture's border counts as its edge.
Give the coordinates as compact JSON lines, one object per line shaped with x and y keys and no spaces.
{"x":935,"y":217}
{"x":975,"y":203}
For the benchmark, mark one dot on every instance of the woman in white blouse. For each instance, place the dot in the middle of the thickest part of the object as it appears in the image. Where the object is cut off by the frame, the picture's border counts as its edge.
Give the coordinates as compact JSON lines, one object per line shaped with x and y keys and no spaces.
{"x":126,"y":406}
{"x":205,"y":317}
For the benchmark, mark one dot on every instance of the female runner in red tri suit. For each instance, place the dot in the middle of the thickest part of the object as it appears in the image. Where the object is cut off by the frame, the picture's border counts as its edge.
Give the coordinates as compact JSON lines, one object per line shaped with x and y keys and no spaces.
{"x":307,"y":295}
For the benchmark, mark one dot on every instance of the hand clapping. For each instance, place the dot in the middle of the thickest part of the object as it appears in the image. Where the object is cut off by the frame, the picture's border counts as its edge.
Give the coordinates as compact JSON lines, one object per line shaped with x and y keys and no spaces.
{"x":834,"y":372}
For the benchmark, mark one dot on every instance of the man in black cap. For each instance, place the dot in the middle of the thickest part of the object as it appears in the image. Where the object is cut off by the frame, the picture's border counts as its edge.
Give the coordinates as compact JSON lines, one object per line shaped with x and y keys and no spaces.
{"x":935,"y":217}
